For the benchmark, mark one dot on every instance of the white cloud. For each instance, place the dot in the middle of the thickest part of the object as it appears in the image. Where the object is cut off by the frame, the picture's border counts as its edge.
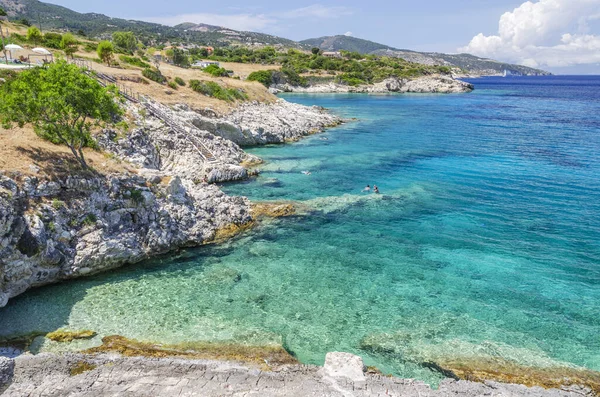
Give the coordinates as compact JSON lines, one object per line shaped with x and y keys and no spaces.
{"x":546,"y":33}
{"x":348,"y":34}
{"x":254,"y":21}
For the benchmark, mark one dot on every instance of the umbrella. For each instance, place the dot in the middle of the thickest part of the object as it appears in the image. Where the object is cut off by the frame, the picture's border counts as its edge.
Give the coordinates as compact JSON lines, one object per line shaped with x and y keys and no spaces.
{"x":13,"y":47}
{"x":42,"y":51}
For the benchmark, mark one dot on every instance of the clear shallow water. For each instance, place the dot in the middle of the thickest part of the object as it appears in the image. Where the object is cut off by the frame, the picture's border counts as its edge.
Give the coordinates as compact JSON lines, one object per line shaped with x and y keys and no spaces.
{"x":485,"y":241}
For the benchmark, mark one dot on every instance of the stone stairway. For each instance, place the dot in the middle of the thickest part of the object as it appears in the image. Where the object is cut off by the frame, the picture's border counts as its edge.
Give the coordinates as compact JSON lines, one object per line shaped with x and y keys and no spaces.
{"x":177,"y":126}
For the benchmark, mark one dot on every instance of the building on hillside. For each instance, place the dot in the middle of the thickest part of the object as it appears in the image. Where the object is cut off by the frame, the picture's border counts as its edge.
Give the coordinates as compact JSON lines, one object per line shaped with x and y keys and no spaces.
{"x":332,"y":54}
{"x":204,"y":64}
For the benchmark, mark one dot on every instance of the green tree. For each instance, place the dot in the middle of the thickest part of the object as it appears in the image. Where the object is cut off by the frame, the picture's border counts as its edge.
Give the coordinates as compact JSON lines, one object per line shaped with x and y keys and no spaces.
{"x":68,"y":44}
{"x":2,"y":12}
{"x":105,"y":51}
{"x":61,"y":102}
{"x":316,"y":50}
{"x":34,"y":35}
{"x":180,"y":58}
{"x":264,"y":77}
{"x":125,"y":41}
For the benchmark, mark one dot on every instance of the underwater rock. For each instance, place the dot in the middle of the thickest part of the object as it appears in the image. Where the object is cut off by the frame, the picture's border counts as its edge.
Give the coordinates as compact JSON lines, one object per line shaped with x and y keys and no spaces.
{"x":273,"y":209}
{"x":231,"y":351}
{"x":69,"y":336}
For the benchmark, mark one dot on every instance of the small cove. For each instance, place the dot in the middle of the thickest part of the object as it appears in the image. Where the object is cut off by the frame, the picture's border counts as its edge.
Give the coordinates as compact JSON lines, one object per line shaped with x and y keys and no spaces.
{"x":485,"y":241}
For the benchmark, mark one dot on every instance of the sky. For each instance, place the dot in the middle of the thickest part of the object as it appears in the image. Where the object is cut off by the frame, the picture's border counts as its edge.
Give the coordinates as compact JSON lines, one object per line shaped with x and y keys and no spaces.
{"x":562,"y":36}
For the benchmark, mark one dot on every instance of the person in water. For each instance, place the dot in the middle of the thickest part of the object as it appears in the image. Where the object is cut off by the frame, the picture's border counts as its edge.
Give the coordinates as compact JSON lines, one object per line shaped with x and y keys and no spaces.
{"x":375,"y":189}
{"x":367,"y":189}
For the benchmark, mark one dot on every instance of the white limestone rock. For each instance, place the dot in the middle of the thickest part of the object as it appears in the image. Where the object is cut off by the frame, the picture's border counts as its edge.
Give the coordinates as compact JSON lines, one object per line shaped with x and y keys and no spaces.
{"x":344,"y":365}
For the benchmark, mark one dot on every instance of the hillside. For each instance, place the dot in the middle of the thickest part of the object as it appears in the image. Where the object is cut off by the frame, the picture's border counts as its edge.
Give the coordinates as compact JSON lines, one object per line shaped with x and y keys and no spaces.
{"x":470,"y":63}
{"x":101,"y":26}
{"x":98,"y":25}
{"x":346,"y":43}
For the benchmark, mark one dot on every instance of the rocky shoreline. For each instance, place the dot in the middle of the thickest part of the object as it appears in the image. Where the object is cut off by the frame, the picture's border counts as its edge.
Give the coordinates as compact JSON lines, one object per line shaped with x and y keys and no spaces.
{"x":343,"y":374}
{"x":427,"y":84}
{"x":53,"y":229}
{"x":60,"y":228}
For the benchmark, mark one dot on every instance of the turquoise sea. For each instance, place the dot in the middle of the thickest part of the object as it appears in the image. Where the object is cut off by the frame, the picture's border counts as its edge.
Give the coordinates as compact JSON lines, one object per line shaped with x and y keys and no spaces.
{"x":484,"y":241}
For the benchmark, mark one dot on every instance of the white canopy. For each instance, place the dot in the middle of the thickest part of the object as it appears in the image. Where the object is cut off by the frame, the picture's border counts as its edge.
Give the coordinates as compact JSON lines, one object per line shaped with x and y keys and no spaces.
{"x":13,"y":47}
{"x":42,"y":51}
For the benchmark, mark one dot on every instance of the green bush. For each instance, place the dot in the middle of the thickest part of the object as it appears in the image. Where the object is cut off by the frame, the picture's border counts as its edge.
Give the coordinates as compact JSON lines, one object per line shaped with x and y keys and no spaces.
{"x":180,"y":81}
{"x":173,"y":85}
{"x":216,"y":71}
{"x":52,"y":40}
{"x":214,"y":90}
{"x":265,"y":77}
{"x":90,"y":47}
{"x":89,"y":220}
{"x":2,"y":12}
{"x":135,"y":61}
{"x":350,"y":80}
{"x":154,"y":75}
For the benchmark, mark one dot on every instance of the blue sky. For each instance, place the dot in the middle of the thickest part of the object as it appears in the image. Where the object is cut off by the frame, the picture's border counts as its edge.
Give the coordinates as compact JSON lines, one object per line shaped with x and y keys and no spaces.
{"x":558,"y":35}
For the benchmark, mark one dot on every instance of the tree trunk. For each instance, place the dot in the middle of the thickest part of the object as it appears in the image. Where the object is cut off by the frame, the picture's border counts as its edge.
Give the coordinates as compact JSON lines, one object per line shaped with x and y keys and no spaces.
{"x":79,"y":156}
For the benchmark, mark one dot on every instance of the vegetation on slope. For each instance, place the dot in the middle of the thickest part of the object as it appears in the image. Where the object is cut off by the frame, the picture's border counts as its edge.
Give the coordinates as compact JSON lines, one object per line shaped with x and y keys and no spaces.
{"x":62,"y":103}
{"x":351,"y":68}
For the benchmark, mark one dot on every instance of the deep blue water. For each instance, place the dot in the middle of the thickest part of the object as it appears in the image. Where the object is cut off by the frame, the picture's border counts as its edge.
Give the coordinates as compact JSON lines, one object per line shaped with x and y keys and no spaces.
{"x":485,"y":241}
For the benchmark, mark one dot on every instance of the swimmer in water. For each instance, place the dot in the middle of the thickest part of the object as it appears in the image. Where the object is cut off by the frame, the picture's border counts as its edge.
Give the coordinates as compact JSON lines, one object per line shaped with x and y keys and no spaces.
{"x":367,"y":189}
{"x":375,"y":189}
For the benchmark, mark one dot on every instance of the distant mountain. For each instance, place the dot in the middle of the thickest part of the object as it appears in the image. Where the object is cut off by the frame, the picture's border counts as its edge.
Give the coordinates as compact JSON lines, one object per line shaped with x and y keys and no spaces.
{"x":470,"y":63}
{"x":346,"y":43}
{"x":98,"y":25}
{"x":51,"y":16}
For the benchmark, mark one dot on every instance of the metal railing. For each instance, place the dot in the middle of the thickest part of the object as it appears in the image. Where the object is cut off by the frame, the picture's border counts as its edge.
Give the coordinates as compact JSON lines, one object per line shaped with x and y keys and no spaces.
{"x":177,"y":127}
{"x":154,"y":109}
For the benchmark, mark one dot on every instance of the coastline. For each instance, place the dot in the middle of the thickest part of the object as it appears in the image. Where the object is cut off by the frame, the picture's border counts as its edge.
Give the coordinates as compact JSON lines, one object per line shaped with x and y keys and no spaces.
{"x":174,"y":195}
{"x":343,"y":374}
{"x":428,"y":84}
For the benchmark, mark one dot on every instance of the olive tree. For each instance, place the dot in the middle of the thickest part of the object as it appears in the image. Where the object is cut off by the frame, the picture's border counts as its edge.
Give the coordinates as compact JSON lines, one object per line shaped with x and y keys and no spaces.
{"x":34,"y":35}
{"x":62,"y":103}
{"x":125,"y":41}
{"x":68,"y":44}
{"x":105,"y":51}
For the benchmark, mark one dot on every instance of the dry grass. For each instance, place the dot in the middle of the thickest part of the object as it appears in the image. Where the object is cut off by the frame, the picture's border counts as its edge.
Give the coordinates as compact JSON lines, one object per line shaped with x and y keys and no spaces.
{"x":168,"y":96}
{"x":244,"y":69}
{"x":20,"y":148}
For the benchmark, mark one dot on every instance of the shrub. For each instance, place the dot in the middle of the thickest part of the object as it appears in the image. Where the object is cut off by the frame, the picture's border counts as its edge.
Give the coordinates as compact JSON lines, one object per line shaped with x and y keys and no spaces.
{"x":2,"y":12}
{"x":135,"y":61}
{"x":34,"y":35}
{"x":90,"y":47}
{"x":349,"y":79}
{"x":105,"y":51}
{"x":57,"y":204}
{"x":214,"y":90}
{"x":173,"y":85}
{"x":52,"y":40}
{"x":125,"y":41}
{"x":180,"y":81}
{"x":265,"y":77}
{"x":89,"y":220}
{"x":154,"y":75}
{"x":215,"y":70}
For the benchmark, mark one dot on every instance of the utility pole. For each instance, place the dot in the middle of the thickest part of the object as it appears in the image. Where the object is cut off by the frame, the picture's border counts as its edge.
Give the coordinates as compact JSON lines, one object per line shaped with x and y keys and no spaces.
{"x":40,"y":23}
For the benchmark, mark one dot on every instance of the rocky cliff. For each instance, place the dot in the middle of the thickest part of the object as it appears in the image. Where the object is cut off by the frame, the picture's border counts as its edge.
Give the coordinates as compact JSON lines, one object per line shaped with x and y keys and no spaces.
{"x":428,"y":84}
{"x":57,"y":228}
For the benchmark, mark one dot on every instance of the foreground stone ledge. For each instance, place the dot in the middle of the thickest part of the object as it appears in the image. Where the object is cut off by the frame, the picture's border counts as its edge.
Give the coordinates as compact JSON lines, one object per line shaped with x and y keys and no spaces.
{"x":343,"y":375}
